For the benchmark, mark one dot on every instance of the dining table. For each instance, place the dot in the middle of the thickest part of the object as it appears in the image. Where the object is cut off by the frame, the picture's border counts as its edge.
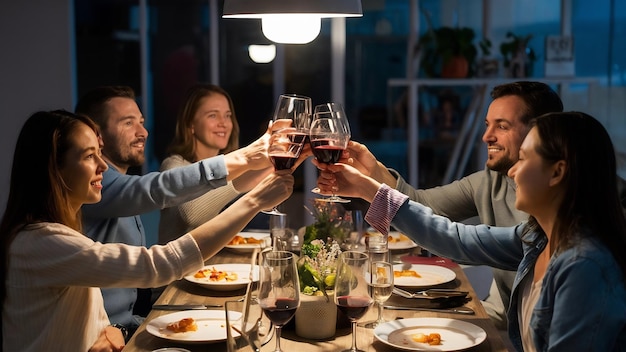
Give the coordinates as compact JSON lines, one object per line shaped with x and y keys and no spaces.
{"x":187,"y":292}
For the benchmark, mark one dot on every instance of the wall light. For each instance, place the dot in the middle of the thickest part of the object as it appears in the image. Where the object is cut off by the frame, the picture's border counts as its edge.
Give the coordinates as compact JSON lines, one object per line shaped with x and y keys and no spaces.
{"x":292,"y":21}
{"x":262,"y":54}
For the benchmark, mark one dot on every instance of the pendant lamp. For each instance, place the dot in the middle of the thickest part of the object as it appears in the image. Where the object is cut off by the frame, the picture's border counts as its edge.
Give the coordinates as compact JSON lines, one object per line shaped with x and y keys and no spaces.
{"x":291,"y":21}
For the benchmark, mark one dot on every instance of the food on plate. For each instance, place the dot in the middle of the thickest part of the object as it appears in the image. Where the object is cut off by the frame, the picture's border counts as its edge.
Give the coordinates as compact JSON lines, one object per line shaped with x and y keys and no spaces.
{"x":215,"y":275}
{"x":183,"y":325}
{"x":431,"y":339}
{"x":244,"y":240}
{"x":401,"y":238}
{"x":406,"y":273}
{"x":381,"y":272}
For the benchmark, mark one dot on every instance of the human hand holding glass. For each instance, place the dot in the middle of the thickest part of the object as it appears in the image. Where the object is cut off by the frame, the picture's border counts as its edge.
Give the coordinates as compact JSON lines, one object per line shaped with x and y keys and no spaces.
{"x":279,"y":289}
{"x":329,"y":135}
{"x":351,"y":289}
{"x":286,"y":144}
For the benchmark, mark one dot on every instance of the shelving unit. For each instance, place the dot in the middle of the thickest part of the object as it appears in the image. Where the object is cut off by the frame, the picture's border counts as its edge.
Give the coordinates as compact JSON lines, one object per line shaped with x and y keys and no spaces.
{"x":472,"y":121}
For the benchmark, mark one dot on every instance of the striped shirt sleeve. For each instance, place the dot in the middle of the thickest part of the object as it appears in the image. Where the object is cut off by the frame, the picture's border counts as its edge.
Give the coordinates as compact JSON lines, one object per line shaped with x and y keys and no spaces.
{"x":384,"y":207}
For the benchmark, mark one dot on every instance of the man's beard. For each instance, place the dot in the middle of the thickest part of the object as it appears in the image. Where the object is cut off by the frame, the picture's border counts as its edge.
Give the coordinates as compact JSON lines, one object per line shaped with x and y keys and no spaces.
{"x":502,"y":165}
{"x":128,"y":159}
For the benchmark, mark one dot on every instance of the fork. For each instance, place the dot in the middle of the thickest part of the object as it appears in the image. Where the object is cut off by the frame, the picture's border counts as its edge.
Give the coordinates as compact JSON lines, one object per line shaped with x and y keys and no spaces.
{"x":431,"y":293}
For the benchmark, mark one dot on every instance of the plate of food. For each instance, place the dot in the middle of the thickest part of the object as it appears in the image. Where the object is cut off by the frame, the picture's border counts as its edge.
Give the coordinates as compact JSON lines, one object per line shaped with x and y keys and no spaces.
{"x":192,"y":326}
{"x":224,"y":277}
{"x":421,"y":275}
{"x":430,"y":334}
{"x":246,"y":242}
{"x":395,"y":240}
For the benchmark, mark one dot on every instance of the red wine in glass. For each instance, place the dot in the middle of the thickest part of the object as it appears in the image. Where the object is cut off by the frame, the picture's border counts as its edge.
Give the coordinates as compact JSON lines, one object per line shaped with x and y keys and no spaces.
{"x":283,"y":161}
{"x":282,"y":312}
{"x":298,"y":137}
{"x":353,"y":307}
{"x":325,"y":152}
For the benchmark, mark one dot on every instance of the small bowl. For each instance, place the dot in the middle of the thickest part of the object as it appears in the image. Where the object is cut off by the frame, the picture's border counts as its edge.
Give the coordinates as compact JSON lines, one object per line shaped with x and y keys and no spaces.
{"x":171,"y":349}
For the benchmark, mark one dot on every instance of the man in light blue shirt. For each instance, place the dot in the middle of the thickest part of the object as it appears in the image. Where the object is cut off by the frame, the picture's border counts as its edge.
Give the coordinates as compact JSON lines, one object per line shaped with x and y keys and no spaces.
{"x":116,"y":217}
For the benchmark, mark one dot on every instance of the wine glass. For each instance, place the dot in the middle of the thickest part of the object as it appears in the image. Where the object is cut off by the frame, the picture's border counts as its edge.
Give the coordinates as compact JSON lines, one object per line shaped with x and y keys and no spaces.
{"x":286,"y":144}
{"x":279,"y":289}
{"x":381,"y":286}
{"x":351,"y":289}
{"x":329,"y":135}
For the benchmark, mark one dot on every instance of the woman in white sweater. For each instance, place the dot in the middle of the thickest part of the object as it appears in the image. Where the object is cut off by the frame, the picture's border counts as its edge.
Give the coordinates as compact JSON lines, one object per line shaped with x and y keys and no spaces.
{"x":206,"y":126}
{"x":52,"y":273}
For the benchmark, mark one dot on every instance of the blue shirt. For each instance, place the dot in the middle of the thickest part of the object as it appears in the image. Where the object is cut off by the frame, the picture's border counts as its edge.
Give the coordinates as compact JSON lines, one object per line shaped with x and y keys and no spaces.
{"x":582,"y":304}
{"x":115,"y":219}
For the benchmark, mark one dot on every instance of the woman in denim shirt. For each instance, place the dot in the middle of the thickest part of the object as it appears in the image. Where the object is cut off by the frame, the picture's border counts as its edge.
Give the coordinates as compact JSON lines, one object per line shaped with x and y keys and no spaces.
{"x":569,"y":293}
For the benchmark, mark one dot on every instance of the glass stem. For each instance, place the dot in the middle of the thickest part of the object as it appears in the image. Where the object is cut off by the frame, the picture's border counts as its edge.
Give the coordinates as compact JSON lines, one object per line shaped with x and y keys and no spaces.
{"x":354,"y":349}
{"x":380,"y":312}
{"x":277,"y":333}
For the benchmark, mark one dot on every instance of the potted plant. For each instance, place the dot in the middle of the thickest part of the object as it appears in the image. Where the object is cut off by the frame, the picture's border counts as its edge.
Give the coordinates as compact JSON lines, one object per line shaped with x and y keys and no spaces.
{"x":486,"y":66}
{"x":518,"y":57}
{"x":317,"y":270}
{"x":448,"y":52}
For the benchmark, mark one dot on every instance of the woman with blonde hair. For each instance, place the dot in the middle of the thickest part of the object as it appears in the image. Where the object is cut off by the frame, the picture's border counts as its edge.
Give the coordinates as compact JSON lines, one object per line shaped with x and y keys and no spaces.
{"x":206,"y":126}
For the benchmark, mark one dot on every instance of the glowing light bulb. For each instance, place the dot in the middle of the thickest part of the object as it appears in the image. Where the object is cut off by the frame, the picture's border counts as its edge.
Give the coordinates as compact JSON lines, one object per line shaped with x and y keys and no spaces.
{"x":262,"y":54}
{"x":291,"y":28}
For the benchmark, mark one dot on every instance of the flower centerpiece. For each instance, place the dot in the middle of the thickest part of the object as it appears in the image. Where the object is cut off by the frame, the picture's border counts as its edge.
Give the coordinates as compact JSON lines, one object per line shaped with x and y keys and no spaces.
{"x":317,"y":267}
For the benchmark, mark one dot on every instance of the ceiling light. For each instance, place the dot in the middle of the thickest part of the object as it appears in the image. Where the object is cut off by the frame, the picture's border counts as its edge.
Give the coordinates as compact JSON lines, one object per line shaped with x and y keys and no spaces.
{"x":291,"y":21}
{"x":262,"y":54}
{"x":290,"y":28}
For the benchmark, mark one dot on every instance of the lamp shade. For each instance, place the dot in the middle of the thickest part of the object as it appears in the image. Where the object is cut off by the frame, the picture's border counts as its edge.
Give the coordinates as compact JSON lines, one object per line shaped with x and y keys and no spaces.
{"x":322,"y":8}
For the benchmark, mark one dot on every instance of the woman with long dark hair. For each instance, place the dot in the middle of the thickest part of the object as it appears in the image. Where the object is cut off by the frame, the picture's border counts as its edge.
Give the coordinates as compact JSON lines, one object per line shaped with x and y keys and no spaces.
{"x":570,"y":256}
{"x":52,"y":273}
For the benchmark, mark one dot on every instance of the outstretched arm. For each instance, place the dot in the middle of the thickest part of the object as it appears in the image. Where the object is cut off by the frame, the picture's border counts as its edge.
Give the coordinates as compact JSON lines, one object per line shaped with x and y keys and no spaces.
{"x":253,"y":156}
{"x":358,"y":156}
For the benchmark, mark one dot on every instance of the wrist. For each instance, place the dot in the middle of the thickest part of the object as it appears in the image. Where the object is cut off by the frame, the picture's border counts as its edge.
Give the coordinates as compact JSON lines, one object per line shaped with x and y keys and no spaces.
{"x":122,"y":328}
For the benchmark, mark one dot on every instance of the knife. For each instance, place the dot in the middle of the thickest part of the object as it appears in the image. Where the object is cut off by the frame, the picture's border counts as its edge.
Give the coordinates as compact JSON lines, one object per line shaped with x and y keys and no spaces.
{"x":185,"y":306}
{"x":458,"y":310}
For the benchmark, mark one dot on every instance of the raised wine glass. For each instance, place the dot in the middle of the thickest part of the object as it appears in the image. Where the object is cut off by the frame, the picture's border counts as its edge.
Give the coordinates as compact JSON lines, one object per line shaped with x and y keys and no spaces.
{"x":284,"y":152}
{"x":329,"y":135}
{"x":381,"y":286}
{"x":279,"y":289}
{"x":351,"y":289}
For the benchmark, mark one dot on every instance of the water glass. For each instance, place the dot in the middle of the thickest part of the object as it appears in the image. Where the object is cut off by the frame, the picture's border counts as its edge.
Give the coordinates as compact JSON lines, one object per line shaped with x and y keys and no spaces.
{"x":377,"y":247}
{"x":381,"y":287}
{"x":246,"y":328}
{"x":352,"y":242}
{"x":278,"y":231}
{"x":250,"y":330}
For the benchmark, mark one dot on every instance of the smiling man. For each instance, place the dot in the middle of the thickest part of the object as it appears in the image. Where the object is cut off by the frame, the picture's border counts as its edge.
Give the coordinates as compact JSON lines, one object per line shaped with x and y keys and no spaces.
{"x":116,"y":217}
{"x":488,"y":194}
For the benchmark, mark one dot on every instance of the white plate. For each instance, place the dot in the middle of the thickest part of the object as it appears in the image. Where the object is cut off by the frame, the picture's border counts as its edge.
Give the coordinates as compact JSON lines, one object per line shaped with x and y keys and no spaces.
{"x":404,"y":244}
{"x":211,"y":326}
{"x":243,"y":277}
{"x":248,"y":248}
{"x":399,"y":245}
{"x":455,"y":334}
{"x":431,"y":275}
